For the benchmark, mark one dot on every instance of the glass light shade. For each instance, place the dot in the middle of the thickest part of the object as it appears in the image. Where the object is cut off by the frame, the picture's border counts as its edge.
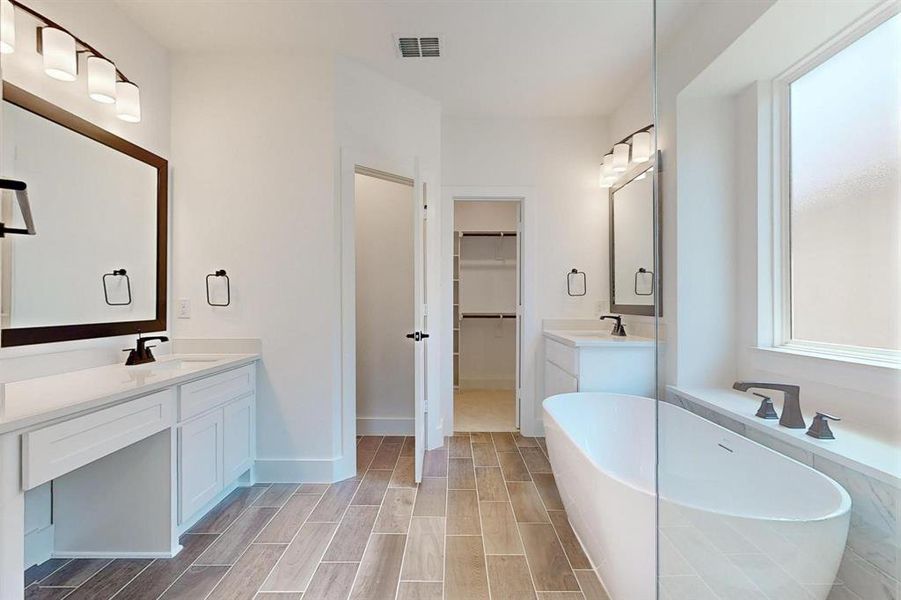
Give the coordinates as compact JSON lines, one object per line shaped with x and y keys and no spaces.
{"x":58,"y":48}
{"x":641,"y":147}
{"x":620,"y":157}
{"x":607,"y":165}
{"x":605,"y":180}
{"x":608,"y":177}
{"x":101,"y":80}
{"x":642,"y":176}
{"x":128,"y":102}
{"x":7,"y":27}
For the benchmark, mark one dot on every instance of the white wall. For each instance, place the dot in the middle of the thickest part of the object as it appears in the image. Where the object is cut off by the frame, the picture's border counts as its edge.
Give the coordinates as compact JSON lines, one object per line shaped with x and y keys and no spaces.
{"x":254,"y":192}
{"x":485,"y":216}
{"x":707,"y":276}
{"x":384,"y":294}
{"x":556,"y":160}
{"x":256,"y":189}
{"x":710,"y":31}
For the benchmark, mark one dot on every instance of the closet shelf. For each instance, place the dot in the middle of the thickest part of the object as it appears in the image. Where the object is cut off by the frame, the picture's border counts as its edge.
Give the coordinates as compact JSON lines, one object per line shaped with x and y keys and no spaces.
{"x":487,"y":233}
{"x":506,"y":263}
{"x":511,"y":315}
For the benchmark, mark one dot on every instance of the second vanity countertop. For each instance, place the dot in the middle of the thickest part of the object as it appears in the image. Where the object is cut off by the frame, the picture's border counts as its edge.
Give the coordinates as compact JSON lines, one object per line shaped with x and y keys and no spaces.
{"x":31,"y":402}
{"x":595,"y":339}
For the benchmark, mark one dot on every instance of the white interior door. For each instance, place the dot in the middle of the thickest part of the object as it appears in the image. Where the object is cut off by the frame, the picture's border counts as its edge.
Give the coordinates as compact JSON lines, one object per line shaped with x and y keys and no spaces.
{"x":420,"y":330}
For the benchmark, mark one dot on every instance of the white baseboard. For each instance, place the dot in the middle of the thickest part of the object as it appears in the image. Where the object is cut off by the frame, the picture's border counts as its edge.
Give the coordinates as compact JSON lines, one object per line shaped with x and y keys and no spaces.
{"x":487,"y":384}
{"x":100,"y":554}
{"x":268,"y":470}
{"x":378,"y":426}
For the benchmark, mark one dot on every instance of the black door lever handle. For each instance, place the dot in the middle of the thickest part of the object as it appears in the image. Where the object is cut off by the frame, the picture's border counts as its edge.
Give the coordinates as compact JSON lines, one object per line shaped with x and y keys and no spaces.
{"x":417,"y":336}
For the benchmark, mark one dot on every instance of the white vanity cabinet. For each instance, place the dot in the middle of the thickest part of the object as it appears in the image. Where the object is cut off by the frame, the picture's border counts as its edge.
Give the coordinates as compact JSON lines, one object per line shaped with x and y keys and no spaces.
{"x":587,"y":361}
{"x":215,"y":437}
{"x":200,"y":450}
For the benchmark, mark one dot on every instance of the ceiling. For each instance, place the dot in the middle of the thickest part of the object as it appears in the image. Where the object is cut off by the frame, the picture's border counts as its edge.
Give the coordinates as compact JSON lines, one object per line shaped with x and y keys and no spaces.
{"x":499,"y":58}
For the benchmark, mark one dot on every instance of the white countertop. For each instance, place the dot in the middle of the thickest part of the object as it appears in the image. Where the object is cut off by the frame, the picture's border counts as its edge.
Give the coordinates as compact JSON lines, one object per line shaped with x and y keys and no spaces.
{"x":31,"y":402}
{"x":595,"y":339}
{"x":878,"y":458}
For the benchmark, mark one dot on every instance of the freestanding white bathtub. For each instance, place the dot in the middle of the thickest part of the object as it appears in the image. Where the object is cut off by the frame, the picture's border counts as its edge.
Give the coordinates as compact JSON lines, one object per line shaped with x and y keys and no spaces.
{"x":736,"y":518}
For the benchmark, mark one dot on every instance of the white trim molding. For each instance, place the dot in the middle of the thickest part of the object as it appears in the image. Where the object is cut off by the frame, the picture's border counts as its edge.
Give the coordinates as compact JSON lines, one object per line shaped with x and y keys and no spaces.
{"x":300,"y":470}
{"x":384,"y":426}
{"x":530,"y":403}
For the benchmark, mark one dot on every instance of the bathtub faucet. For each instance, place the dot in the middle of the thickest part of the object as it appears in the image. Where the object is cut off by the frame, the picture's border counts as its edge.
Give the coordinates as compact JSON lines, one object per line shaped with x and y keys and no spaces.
{"x":791,"y":406}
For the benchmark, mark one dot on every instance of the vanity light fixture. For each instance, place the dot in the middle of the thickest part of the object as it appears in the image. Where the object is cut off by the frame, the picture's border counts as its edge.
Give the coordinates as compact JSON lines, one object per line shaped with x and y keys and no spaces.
{"x":101,"y":80}
{"x":7,"y":27}
{"x":616,"y":163}
{"x":620,"y":158}
{"x":641,"y":147}
{"x":58,"y":48}
{"x":60,"y":51}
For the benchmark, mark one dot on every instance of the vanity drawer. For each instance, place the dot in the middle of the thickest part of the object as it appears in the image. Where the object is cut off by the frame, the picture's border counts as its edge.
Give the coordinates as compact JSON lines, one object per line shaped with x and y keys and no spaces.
{"x":199,"y":396}
{"x":563,"y":356}
{"x":58,"y":449}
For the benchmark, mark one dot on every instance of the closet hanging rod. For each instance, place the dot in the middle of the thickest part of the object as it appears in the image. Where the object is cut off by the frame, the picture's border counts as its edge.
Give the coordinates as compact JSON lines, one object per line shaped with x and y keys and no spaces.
{"x":487,"y":233}
{"x":488,"y":316}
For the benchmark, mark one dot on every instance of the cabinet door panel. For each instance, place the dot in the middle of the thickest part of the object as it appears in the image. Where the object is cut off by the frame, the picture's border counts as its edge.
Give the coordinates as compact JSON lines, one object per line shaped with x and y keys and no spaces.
{"x":239,"y":437}
{"x":200,"y":468}
{"x":558,"y":381}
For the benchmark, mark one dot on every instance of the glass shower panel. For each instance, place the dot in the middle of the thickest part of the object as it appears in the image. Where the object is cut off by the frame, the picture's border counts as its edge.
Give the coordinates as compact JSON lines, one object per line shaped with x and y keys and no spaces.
{"x":777,"y":129}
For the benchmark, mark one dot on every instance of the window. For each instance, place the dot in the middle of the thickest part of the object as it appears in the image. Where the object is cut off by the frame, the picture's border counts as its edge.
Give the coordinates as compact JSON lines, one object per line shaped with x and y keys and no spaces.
{"x":841,"y":288}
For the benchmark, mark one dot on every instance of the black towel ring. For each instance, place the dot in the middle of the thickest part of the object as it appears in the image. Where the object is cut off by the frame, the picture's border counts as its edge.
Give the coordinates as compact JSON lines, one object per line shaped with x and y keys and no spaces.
{"x":576,"y":279}
{"x":640,"y":271}
{"x":117,"y":273}
{"x":228,"y":288}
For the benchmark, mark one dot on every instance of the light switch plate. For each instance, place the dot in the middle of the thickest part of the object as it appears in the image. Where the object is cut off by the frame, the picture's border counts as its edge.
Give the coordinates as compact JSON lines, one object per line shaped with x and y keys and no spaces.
{"x":184,"y":308}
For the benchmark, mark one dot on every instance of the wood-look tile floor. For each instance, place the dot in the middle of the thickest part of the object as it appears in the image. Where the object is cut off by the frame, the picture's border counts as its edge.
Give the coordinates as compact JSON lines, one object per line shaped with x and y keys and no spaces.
{"x":486,"y":523}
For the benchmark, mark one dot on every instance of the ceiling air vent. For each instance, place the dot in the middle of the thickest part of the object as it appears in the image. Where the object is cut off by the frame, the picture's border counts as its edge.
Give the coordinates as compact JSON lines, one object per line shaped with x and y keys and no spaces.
{"x":418,"y":47}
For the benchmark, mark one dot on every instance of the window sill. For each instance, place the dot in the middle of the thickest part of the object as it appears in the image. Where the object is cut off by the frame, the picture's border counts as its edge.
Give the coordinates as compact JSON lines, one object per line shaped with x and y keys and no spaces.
{"x":841,"y":357}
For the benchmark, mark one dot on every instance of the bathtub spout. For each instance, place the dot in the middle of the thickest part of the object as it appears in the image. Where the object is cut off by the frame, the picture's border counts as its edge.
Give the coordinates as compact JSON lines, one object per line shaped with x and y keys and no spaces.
{"x":791,"y":407}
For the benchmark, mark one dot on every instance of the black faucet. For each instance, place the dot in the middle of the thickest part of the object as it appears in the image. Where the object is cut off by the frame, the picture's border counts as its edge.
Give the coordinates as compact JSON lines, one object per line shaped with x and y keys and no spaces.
{"x":141,"y":353}
{"x":791,"y":406}
{"x":619,"y":329}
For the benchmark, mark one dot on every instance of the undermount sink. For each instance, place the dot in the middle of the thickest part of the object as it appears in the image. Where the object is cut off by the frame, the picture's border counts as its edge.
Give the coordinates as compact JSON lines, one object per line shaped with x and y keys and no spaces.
{"x":175,"y":364}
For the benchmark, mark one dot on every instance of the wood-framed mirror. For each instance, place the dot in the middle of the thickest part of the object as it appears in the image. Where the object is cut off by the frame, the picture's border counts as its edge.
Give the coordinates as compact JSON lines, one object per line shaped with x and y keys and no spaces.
{"x":634,"y":269}
{"x":98,"y":266}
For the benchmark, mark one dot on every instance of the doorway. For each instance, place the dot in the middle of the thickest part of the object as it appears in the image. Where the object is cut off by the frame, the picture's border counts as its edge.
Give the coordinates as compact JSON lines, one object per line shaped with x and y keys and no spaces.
{"x":487,"y":314}
{"x":386,"y":264}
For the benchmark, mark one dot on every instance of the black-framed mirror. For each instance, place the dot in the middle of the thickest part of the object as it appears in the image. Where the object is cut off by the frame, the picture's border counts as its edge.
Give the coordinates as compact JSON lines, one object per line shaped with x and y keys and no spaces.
{"x":634,"y":271}
{"x":100,"y":204}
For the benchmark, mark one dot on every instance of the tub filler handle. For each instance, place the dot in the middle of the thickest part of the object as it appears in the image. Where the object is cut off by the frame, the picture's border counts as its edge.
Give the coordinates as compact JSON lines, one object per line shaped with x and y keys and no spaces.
{"x":819,"y":429}
{"x":766,"y":410}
